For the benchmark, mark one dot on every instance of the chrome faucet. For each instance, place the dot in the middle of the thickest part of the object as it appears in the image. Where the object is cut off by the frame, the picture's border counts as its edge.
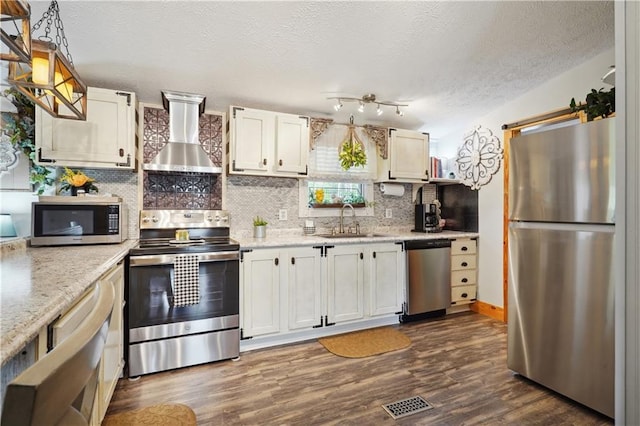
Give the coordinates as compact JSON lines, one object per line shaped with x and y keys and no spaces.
{"x":353,"y":215}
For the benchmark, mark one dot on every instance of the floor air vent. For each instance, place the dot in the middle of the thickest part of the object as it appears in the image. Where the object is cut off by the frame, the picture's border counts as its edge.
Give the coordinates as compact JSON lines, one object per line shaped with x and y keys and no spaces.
{"x":407,"y":407}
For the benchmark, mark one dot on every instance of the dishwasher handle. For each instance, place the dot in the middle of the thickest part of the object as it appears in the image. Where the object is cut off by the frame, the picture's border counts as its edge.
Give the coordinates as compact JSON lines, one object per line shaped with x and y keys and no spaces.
{"x":426,"y":244}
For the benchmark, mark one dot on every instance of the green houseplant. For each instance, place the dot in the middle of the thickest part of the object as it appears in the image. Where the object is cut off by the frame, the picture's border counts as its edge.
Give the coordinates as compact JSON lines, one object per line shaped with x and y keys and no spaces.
{"x":259,"y":227}
{"x":598,"y":103}
{"x":20,"y":127}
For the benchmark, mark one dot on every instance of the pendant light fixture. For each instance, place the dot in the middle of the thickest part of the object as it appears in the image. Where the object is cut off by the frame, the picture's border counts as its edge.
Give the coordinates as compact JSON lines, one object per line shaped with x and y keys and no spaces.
{"x":369,"y":98}
{"x":16,"y":19}
{"x":50,"y":79}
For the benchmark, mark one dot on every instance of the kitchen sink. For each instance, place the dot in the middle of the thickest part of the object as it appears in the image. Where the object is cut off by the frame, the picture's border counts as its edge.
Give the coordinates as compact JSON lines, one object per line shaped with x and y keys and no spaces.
{"x":347,"y":235}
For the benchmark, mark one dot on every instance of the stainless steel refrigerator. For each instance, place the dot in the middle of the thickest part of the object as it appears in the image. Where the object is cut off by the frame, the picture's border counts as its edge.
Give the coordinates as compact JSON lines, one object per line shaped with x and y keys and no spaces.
{"x":561,"y":250}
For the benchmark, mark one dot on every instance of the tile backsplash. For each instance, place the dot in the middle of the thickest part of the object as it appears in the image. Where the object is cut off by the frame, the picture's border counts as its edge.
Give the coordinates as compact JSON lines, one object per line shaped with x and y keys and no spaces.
{"x":175,"y":190}
{"x":250,"y":196}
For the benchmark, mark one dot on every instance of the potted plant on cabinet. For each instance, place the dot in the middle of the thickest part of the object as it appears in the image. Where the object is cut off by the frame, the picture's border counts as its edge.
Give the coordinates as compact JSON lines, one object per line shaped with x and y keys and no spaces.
{"x":598,"y":103}
{"x":259,"y":227}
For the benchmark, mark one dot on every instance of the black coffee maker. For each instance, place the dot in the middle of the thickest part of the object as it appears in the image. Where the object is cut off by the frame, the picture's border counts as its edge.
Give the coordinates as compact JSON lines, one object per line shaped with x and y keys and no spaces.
{"x":426,"y":218}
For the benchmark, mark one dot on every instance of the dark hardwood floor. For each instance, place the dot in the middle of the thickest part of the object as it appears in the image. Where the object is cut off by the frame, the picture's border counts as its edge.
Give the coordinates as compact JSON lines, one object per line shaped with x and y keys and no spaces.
{"x":458,"y":364}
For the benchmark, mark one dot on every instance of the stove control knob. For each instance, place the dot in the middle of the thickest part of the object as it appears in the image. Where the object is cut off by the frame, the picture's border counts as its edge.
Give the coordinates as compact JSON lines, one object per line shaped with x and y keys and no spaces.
{"x":155,"y":219}
{"x":209,"y":218}
{"x":145,"y":219}
{"x":217,"y":218}
{"x":225,"y":219}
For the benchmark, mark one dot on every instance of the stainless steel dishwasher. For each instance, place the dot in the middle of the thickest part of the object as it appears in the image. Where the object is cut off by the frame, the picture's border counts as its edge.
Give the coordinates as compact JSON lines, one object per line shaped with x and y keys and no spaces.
{"x":428,"y":278}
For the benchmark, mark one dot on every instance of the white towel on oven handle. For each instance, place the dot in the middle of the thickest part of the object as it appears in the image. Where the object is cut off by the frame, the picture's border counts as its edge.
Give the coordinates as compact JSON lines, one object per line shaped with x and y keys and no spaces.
{"x":186,"y":282}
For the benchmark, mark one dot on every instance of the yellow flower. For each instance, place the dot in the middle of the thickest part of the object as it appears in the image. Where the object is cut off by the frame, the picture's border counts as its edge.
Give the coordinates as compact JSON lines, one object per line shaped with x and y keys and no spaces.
{"x":76,"y":179}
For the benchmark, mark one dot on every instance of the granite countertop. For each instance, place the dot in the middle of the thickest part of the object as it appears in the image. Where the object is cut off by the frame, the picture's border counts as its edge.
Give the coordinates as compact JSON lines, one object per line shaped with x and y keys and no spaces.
{"x":38,"y":283}
{"x":288,"y":238}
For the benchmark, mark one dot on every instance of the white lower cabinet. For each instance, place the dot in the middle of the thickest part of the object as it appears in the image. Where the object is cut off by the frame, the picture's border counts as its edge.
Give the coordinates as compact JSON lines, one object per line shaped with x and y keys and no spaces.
{"x":113,"y":353}
{"x":305,"y":288}
{"x":386,"y":271}
{"x":260,"y":287}
{"x":300,"y":292}
{"x":345,"y":283}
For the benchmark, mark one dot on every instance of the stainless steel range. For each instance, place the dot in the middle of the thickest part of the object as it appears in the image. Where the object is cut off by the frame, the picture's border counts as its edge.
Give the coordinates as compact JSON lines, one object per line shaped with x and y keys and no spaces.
{"x":183,"y":291}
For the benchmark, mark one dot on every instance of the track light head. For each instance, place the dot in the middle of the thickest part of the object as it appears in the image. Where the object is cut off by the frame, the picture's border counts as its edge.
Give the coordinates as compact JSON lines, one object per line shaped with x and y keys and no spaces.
{"x":338,"y":106}
{"x":361,"y":107}
{"x":379,"y":110}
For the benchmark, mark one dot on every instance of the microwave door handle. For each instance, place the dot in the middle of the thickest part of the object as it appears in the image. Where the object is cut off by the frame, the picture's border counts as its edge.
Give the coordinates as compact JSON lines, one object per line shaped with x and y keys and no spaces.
{"x":169,"y":259}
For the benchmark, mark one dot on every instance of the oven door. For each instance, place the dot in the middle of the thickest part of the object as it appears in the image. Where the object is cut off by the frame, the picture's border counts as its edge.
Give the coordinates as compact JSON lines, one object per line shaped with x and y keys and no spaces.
{"x":151,"y":314}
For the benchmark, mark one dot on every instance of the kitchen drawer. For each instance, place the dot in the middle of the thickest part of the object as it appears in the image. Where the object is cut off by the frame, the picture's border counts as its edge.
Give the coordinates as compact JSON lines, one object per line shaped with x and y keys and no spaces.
{"x":463,"y":277}
{"x":463,"y":246}
{"x":463,"y":294}
{"x":463,"y":261}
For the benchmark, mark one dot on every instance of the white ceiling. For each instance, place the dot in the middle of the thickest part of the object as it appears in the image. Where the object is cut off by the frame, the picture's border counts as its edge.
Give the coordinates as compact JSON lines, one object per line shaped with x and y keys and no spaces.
{"x":447,"y":60}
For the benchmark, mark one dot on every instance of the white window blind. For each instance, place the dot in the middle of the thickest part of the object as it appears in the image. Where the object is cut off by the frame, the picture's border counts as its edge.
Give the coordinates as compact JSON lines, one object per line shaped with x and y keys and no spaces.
{"x":325,"y":164}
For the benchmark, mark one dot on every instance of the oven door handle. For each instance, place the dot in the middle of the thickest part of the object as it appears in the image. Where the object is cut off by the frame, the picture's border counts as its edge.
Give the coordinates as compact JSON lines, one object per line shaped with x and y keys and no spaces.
{"x":169,"y":259}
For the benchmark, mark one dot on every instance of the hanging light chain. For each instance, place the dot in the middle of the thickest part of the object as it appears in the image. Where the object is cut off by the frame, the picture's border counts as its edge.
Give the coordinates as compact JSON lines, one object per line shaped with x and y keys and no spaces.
{"x":61,"y":40}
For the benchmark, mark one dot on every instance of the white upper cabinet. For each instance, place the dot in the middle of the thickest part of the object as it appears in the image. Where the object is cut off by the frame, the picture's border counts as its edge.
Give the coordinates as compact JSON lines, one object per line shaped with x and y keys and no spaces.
{"x":266,"y":143}
{"x":408,"y":158}
{"x":105,"y":140}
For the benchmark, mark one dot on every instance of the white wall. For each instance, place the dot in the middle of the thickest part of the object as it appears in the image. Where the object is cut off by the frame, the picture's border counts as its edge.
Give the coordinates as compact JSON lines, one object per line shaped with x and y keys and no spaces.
{"x":552,"y":95}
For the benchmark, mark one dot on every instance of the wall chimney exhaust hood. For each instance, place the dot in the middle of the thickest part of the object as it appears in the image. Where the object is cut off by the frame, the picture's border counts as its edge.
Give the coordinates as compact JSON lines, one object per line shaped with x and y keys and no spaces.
{"x":183,"y":152}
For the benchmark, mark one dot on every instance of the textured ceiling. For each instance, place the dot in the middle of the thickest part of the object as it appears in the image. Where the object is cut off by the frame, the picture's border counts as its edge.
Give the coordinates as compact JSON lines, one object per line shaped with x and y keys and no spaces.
{"x":448,"y":60}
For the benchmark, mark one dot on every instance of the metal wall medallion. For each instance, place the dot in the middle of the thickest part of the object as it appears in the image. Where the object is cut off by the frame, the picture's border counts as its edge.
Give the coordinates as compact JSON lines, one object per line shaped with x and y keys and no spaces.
{"x":479,"y":157}
{"x":8,"y":154}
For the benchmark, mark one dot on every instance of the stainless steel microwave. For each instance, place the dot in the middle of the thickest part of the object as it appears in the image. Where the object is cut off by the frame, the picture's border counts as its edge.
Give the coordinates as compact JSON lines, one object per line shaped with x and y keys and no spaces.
{"x":78,"y":220}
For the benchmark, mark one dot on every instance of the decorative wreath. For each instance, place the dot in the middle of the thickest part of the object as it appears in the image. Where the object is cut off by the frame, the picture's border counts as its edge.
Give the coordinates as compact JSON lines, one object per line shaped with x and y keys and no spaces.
{"x":479,"y":157}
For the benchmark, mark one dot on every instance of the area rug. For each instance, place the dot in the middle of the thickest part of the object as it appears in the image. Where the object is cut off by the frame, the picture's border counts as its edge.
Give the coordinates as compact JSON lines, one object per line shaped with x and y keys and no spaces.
{"x":157,"y":415}
{"x":360,"y":344}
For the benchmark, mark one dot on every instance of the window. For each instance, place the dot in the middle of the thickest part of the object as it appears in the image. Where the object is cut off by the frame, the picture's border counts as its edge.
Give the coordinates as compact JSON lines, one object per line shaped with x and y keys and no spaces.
{"x":334,"y":194}
{"x":333,"y":185}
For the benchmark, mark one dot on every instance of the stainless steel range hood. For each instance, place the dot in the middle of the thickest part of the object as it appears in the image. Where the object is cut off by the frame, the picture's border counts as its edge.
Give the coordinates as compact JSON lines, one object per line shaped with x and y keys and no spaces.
{"x":183,"y":152}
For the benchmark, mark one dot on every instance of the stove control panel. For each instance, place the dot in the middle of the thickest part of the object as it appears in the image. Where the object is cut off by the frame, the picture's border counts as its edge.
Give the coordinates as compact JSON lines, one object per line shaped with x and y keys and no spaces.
{"x":165,"y":219}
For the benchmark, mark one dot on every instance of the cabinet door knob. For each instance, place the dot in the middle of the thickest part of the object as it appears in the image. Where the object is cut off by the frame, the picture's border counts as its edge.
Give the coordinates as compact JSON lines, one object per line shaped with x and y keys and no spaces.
{"x":374,"y":254}
{"x":464,"y":264}
{"x":361,"y":256}
{"x":293,"y":260}
{"x":463,"y":248}
{"x":280,"y":163}
{"x":464,"y":295}
{"x":464,"y":280}
{"x":264,"y":161}
{"x":121,"y":152}
{"x":276,"y":261}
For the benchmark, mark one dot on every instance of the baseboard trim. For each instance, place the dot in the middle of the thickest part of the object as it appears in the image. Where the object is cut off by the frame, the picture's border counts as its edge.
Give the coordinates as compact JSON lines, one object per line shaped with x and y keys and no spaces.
{"x":489,"y":310}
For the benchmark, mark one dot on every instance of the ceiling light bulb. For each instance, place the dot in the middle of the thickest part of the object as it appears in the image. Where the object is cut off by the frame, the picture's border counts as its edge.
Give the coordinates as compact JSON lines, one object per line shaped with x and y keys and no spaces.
{"x":379,"y":110}
{"x":361,"y":107}
{"x":338,"y":105}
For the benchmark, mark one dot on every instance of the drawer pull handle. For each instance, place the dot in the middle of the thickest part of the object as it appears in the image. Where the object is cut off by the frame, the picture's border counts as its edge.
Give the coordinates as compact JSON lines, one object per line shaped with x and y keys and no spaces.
{"x":464,"y":295}
{"x":464,"y":264}
{"x":464,"y":280}
{"x":464,"y":248}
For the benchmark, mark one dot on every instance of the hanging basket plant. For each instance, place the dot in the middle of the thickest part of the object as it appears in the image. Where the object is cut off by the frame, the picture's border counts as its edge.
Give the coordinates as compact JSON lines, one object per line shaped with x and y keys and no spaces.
{"x":351,"y":151}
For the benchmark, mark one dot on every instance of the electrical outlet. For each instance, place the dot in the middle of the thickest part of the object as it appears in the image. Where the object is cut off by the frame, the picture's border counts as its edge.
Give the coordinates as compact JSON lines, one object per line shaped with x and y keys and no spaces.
{"x":388,"y":214}
{"x":282,"y":214}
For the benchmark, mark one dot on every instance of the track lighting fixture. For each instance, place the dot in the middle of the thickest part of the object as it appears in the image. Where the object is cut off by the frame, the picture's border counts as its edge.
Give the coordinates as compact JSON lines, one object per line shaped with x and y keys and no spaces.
{"x":369,"y":98}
